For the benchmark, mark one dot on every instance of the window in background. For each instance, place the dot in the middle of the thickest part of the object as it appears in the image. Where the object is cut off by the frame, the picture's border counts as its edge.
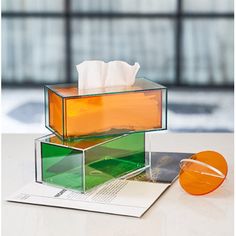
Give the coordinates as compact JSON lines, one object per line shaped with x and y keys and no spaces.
{"x":132,"y":40}
{"x":124,"y":6}
{"x":208,"y":52}
{"x":179,"y":42}
{"x":32,"y":5}
{"x":33,"y":50}
{"x":208,"y":6}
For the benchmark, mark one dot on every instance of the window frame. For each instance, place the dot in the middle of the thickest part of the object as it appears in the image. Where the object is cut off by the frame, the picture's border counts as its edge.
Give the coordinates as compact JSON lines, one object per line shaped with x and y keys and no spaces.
{"x":67,"y":15}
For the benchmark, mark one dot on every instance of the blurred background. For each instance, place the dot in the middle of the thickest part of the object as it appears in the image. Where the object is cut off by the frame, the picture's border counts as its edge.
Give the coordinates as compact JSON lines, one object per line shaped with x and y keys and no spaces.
{"x":186,"y":45}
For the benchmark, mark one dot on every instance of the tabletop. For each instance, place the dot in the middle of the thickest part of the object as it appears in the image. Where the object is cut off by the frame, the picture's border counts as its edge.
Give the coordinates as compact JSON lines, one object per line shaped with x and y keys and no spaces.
{"x":175,"y":213}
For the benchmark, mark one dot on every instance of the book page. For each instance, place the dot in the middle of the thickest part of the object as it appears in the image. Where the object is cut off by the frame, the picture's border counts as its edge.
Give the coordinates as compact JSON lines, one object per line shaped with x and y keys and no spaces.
{"x":122,"y":197}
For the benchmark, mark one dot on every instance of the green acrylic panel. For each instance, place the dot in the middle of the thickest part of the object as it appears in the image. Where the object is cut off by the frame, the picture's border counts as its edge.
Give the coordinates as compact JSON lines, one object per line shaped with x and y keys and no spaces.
{"x":62,"y":166}
{"x":114,"y":159}
{"x":86,"y":163}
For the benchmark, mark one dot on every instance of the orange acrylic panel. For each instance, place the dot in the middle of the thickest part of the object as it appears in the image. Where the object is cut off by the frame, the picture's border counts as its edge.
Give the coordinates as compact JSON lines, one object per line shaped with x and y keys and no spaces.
{"x":72,"y":113}
{"x":55,"y":104}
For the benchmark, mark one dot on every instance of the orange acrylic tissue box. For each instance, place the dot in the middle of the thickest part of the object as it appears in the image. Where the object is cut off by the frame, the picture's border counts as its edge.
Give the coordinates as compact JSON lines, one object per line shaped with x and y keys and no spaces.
{"x":73,"y":113}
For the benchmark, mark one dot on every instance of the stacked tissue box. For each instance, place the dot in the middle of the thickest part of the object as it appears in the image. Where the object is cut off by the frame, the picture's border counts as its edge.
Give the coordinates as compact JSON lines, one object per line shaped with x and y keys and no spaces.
{"x":99,"y":132}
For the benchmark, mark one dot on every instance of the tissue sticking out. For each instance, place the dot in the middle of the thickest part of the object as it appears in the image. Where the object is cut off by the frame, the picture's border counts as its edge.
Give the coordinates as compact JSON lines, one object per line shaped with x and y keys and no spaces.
{"x":99,"y":74}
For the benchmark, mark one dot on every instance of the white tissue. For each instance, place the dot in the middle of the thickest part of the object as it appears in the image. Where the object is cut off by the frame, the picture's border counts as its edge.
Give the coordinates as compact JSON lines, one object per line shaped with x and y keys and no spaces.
{"x":99,"y":74}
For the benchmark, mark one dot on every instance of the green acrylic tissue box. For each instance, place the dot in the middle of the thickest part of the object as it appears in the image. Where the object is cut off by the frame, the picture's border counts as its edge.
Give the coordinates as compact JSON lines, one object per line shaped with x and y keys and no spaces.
{"x":83,"y":164}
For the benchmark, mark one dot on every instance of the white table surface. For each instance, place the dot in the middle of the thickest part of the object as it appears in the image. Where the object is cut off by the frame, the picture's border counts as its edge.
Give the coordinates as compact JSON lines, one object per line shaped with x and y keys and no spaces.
{"x":175,"y":213}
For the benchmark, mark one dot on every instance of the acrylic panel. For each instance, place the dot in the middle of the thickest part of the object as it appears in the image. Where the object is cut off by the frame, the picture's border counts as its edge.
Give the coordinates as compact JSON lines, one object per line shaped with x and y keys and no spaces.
{"x":62,"y":166}
{"x":121,"y":156}
{"x":87,"y":163}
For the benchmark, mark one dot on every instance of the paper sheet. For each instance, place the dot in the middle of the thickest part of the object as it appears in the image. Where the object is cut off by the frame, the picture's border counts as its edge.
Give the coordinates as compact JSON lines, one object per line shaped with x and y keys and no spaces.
{"x":121,"y":197}
{"x":132,"y":196}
